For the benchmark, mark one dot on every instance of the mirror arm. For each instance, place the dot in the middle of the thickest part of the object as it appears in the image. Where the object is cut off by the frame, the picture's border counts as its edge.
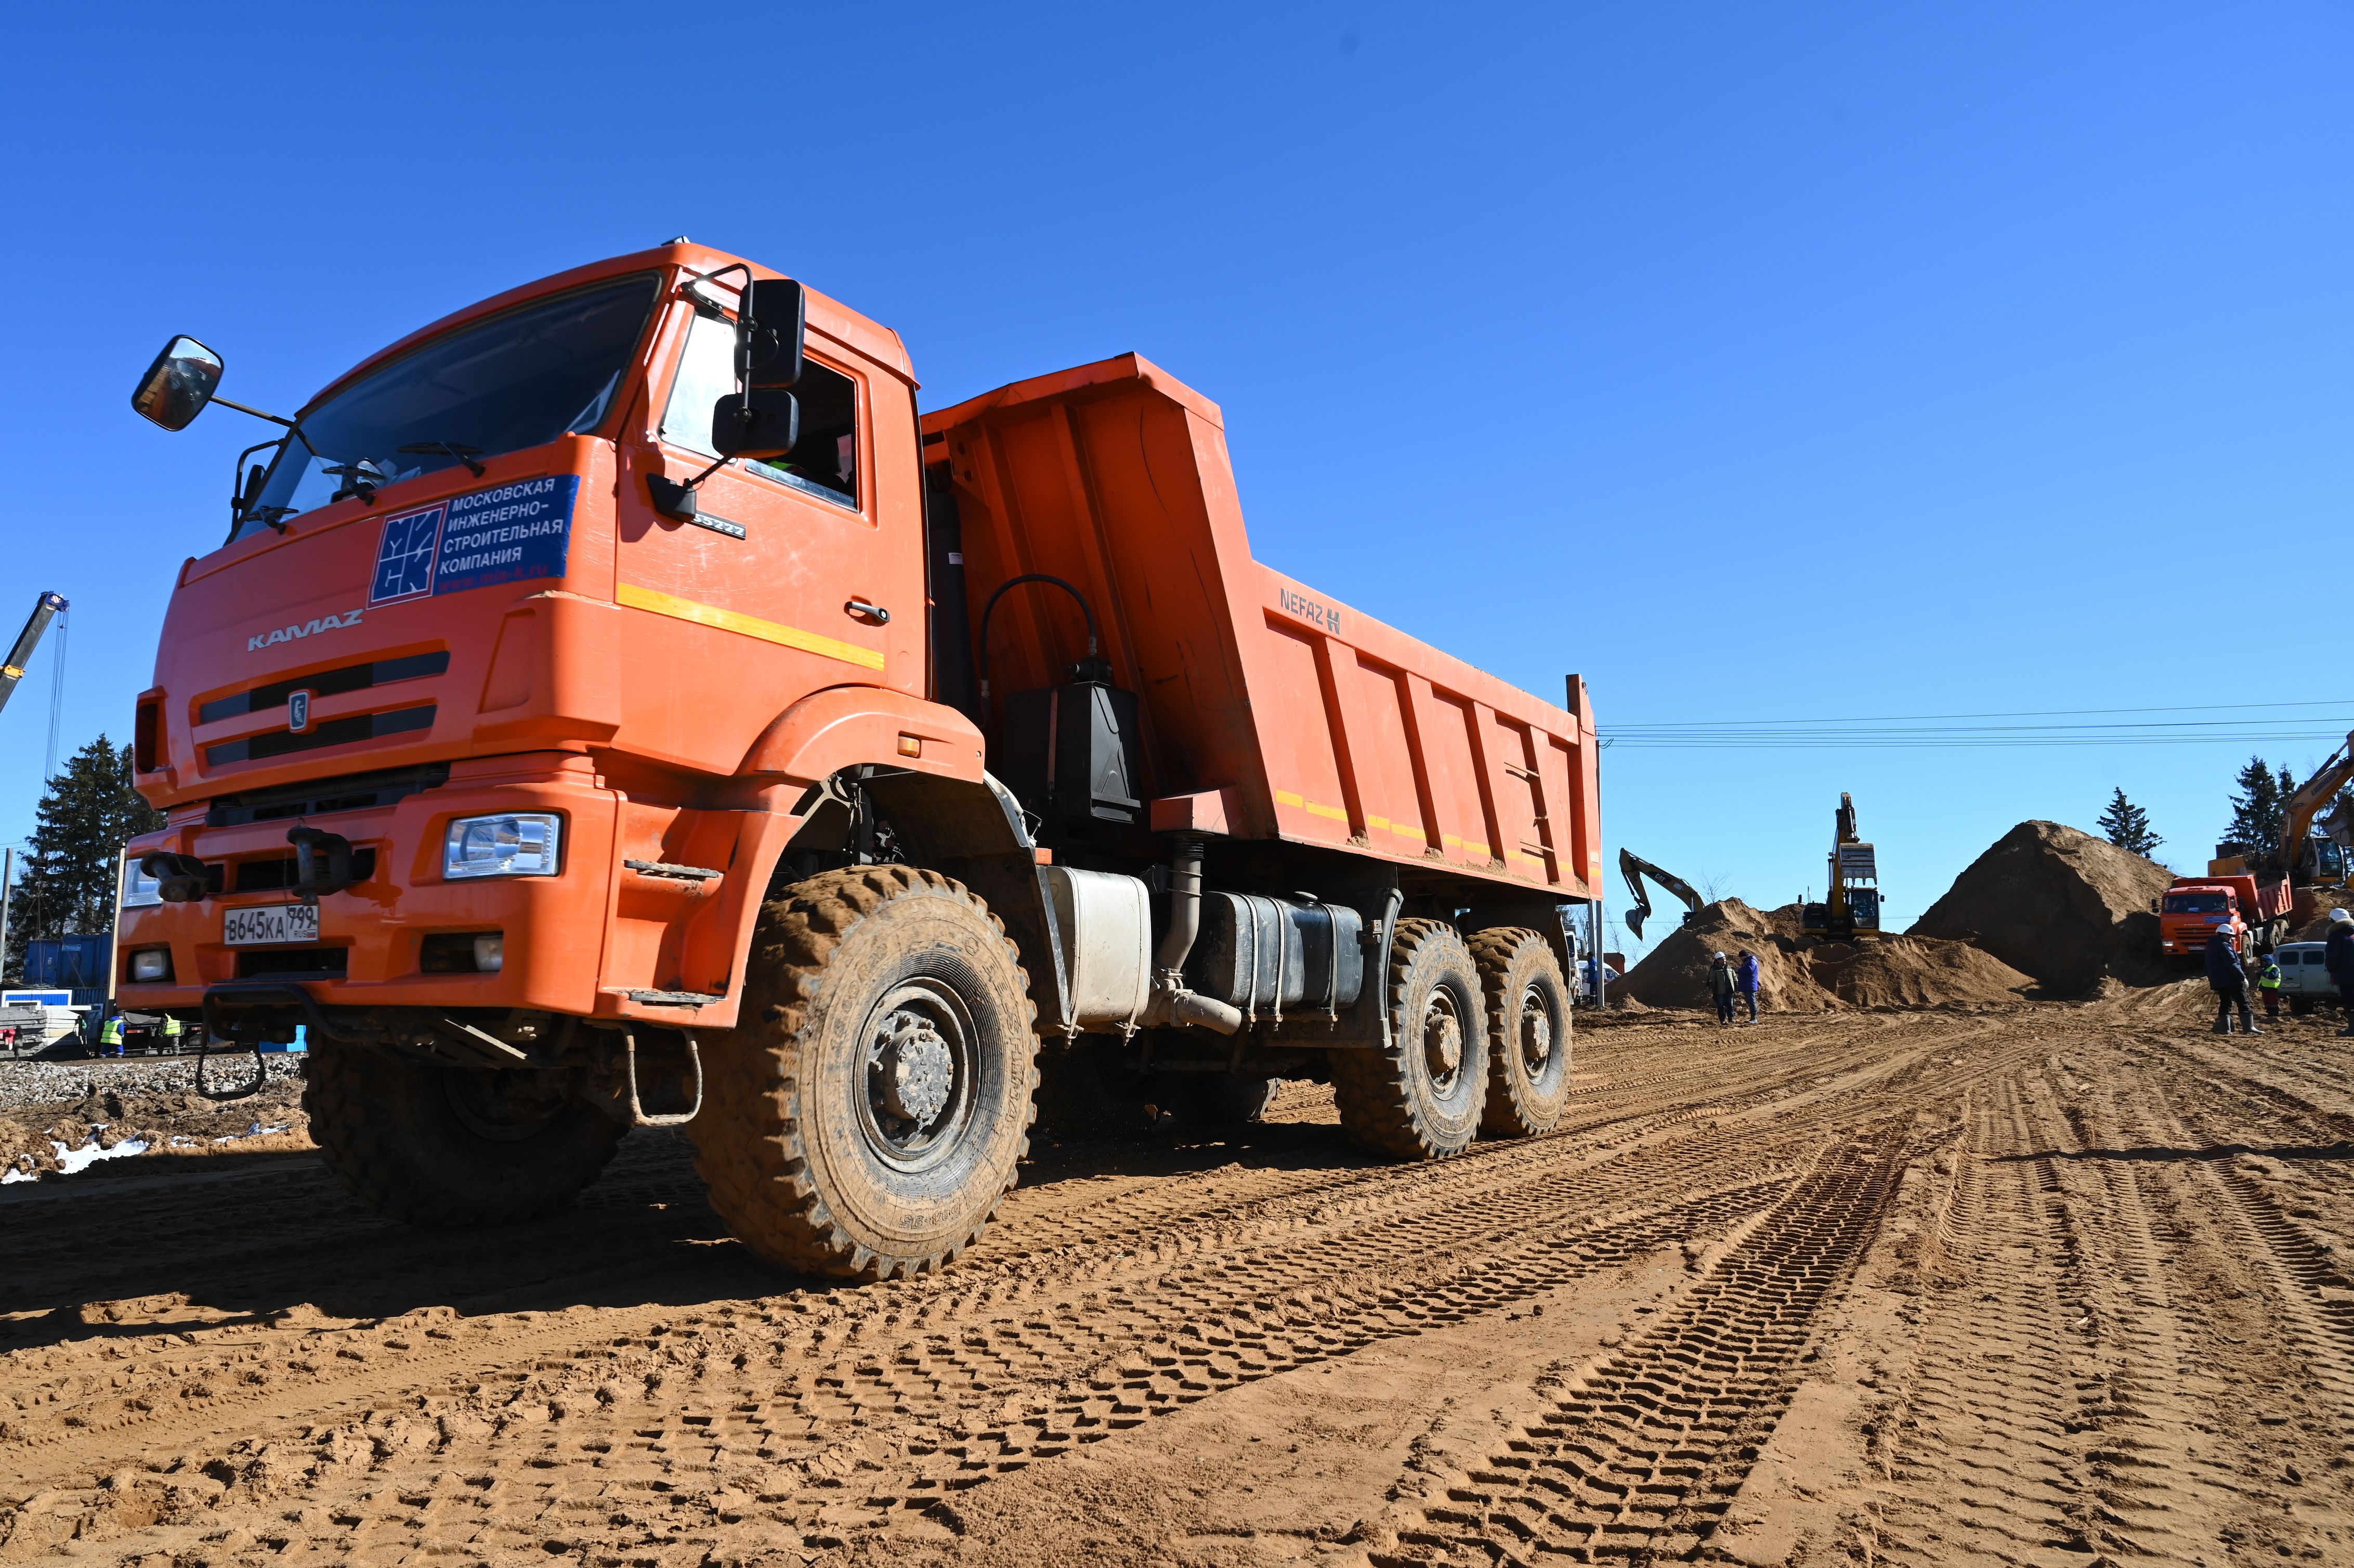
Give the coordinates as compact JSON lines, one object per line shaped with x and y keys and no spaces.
{"x":273,"y":418}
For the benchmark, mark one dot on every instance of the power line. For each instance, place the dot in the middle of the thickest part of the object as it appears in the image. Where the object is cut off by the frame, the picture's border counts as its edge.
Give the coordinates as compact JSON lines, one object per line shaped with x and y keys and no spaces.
{"x":1926,"y":730}
{"x":2032,"y":713}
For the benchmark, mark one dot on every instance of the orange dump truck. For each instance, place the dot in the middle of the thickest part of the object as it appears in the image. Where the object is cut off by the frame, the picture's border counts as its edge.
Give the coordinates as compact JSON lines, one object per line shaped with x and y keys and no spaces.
{"x":613,"y":705}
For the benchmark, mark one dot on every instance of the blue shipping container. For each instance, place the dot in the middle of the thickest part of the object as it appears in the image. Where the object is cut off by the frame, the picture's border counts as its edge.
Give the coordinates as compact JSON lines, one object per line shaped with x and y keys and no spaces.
{"x":67,"y":963}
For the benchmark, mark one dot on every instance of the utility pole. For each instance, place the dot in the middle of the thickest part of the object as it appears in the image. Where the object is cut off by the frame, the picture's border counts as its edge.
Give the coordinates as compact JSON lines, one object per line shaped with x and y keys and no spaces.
{"x":7,"y":889}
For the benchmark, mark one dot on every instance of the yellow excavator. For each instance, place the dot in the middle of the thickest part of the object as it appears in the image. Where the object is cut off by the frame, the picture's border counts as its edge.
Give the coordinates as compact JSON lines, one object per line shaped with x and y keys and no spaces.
{"x":1633,"y":868}
{"x":1849,"y":911}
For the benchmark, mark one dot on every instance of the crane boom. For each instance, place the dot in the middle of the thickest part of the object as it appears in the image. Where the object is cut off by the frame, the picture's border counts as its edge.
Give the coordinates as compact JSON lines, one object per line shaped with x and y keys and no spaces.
{"x":46,"y":609}
{"x":2318,"y":791}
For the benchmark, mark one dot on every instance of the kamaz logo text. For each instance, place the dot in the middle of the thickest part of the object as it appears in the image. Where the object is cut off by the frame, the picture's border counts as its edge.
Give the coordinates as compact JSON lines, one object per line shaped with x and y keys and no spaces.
{"x":290,"y":633}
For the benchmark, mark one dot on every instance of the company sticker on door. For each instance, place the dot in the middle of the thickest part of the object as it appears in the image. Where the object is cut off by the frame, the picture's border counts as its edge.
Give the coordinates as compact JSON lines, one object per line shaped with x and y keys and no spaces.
{"x":507,"y":533}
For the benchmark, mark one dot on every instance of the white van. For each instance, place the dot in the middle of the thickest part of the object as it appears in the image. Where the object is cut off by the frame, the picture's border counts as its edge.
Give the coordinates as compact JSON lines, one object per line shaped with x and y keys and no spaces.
{"x":2303,"y":981}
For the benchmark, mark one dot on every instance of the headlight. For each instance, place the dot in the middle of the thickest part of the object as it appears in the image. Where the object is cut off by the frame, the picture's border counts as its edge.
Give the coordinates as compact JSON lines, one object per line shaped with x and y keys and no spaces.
{"x":490,"y":953}
{"x":518,"y":843}
{"x":151,"y":964}
{"x":138,"y":889}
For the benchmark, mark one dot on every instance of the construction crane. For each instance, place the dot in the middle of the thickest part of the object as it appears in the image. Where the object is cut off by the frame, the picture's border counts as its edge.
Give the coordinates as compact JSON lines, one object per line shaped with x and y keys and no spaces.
{"x":1633,"y":868}
{"x":1849,"y":910}
{"x":46,"y":609}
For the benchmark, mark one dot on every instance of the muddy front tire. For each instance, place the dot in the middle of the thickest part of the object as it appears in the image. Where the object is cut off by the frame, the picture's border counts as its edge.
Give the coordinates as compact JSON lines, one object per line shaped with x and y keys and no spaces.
{"x":866,"y":1116}
{"x":452,"y":1146}
{"x":1421,"y":1099}
{"x":1528,"y":1018}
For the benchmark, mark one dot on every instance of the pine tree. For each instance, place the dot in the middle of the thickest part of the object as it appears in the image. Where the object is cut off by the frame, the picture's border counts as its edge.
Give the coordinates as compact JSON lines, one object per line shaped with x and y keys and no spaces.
{"x":2126,"y":826}
{"x":2257,"y":811}
{"x":86,"y":816}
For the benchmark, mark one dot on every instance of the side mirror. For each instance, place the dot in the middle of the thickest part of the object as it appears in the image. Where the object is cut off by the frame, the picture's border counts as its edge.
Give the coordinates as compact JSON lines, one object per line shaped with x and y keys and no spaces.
{"x":178,"y":385}
{"x":764,"y":422}
{"x":768,"y":347}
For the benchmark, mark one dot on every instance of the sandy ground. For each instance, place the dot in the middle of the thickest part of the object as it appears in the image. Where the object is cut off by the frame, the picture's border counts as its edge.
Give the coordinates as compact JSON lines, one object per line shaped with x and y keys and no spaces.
{"x":2046,"y":1285}
{"x":142,"y":1108}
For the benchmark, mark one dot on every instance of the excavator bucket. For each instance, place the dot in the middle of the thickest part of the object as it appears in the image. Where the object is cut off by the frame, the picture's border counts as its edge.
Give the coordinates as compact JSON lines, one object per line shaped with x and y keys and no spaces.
{"x":1635,"y":868}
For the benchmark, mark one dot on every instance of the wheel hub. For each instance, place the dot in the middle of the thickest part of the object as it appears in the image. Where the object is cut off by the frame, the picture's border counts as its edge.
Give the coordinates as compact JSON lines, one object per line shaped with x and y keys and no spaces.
{"x":1536,"y":1032}
{"x":1442,"y":1040}
{"x":914,"y":1069}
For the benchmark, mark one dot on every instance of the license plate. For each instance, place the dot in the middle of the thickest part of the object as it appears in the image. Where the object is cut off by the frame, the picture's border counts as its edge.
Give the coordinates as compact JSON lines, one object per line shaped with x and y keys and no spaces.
{"x":270,"y":924}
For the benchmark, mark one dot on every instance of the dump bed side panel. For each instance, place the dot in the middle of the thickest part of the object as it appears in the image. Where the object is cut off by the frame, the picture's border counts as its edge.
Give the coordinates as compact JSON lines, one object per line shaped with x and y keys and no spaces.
{"x":1324,"y":726}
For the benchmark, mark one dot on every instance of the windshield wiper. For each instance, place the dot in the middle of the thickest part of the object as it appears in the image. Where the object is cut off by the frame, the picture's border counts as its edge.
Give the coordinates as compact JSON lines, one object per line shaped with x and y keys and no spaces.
{"x":464,"y":454}
{"x":360,"y":477}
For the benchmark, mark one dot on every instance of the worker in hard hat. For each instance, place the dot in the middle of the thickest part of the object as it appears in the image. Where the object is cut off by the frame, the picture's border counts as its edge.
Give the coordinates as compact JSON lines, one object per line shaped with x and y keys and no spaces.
{"x":110,"y":1036}
{"x":1721,"y":986}
{"x":172,"y":1029}
{"x":2228,"y":980}
{"x":2337,"y":958}
{"x":2268,"y":982}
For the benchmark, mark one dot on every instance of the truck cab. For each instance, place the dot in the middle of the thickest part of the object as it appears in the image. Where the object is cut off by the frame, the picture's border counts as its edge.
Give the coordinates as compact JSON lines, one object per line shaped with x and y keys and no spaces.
{"x":2189,"y":912}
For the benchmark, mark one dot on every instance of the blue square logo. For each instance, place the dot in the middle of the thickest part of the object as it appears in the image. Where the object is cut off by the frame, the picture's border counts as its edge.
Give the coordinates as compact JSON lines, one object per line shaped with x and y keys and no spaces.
{"x":404,"y":558}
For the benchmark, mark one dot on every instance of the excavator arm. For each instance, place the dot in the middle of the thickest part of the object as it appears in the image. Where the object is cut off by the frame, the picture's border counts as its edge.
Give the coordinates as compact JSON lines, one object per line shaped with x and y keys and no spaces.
{"x":1633,"y":868}
{"x":2315,"y":792}
{"x":46,"y":609}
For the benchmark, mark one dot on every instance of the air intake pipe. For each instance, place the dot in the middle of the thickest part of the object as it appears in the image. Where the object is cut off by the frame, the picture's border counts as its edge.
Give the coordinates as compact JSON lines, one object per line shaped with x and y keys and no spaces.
{"x":1172,"y":1002}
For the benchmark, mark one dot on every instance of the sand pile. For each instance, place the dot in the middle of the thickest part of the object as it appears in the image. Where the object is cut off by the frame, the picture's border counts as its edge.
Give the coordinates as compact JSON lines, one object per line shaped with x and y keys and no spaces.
{"x":2058,"y":905}
{"x":1814,"y":976}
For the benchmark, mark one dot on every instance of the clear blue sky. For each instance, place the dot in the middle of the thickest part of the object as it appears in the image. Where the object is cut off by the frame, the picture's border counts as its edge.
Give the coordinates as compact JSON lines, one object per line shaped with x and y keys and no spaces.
{"x":1788,"y":362}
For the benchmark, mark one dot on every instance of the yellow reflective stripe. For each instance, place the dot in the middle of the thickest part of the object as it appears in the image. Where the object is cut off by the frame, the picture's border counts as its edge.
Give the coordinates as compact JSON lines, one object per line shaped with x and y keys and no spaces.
{"x":1314,"y":809}
{"x":637,"y":598}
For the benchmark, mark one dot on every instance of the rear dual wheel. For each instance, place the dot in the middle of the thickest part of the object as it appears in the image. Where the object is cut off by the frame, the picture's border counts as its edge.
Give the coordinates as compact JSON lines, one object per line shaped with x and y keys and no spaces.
{"x":1528,"y":1020}
{"x":1421,"y":1097}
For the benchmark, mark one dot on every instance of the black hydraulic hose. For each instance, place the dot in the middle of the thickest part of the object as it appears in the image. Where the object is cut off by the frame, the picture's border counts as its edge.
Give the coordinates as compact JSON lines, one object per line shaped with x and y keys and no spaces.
{"x":991,"y":608}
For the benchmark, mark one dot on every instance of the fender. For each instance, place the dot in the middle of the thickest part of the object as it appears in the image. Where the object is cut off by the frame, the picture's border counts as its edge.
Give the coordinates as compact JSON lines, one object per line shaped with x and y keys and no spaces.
{"x":844,"y":725}
{"x":959,"y":820}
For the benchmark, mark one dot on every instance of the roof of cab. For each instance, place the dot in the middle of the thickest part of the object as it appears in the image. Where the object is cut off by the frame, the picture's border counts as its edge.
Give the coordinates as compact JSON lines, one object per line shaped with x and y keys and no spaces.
{"x":827,"y":317}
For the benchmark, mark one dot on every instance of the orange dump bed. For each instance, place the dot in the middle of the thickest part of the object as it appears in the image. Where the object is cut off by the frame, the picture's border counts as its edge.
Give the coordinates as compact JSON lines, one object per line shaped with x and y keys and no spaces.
{"x":1279,"y":710}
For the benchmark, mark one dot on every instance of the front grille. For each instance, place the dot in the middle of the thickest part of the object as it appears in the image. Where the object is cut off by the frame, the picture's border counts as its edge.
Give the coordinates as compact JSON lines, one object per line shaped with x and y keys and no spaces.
{"x":272,"y":875}
{"x":318,"y":796}
{"x":291,"y":963}
{"x":333,"y":732}
{"x":326,"y":683}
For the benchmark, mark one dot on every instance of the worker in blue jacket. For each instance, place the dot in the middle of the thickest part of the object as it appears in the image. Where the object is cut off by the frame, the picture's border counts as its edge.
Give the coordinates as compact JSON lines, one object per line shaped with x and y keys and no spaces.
{"x":2229,"y":982}
{"x":1744,"y":980}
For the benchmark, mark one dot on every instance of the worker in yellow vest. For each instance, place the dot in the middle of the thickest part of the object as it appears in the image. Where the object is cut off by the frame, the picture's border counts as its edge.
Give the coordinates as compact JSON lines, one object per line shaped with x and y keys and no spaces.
{"x":172,"y":1029}
{"x":110,"y":1036}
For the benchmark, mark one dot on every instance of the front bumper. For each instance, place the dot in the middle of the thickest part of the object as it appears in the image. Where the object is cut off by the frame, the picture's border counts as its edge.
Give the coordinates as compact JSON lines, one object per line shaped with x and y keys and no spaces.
{"x":555,"y":926}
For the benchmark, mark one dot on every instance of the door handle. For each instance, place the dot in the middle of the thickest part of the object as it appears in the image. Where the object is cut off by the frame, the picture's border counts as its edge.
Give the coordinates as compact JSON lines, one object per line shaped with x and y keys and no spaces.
{"x":874,"y":613}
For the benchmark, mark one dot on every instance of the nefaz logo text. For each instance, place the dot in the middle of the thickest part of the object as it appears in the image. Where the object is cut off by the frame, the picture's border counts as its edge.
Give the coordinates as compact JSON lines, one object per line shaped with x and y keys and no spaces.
{"x":1325,"y":615}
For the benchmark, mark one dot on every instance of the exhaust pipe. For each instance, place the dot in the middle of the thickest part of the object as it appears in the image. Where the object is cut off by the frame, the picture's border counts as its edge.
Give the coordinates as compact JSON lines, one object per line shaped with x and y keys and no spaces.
{"x":1172,"y":1002}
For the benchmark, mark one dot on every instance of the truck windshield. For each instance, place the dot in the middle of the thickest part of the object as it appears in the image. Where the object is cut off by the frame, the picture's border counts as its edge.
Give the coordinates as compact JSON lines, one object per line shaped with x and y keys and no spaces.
{"x":2194,"y":903}
{"x":518,"y":380}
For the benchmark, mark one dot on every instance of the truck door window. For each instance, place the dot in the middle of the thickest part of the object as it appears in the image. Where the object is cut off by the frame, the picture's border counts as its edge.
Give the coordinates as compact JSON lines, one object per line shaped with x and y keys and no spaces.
{"x":823,"y":462}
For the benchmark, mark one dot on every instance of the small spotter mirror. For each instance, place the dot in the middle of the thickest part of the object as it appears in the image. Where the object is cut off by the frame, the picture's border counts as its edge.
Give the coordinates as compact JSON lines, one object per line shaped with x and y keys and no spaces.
{"x":178,"y":385}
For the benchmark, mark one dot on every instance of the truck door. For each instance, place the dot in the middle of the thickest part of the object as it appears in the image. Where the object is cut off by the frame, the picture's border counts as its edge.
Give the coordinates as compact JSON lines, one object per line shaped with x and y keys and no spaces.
{"x":774,"y":570}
